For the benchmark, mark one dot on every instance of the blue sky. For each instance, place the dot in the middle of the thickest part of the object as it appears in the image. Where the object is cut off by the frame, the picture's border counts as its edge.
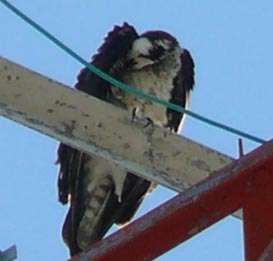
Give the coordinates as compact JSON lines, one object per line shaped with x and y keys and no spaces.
{"x":231,"y":42}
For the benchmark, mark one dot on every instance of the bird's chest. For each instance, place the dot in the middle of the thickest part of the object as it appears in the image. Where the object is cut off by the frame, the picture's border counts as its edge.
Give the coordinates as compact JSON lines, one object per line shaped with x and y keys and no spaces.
{"x":158,"y":84}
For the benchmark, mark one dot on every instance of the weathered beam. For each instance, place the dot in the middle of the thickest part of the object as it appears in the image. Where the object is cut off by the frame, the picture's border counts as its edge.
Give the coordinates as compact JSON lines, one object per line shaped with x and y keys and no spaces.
{"x":96,"y":127}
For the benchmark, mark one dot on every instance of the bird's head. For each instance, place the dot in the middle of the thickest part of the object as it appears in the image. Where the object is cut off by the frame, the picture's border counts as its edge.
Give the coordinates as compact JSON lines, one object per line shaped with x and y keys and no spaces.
{"x":151,"y":47}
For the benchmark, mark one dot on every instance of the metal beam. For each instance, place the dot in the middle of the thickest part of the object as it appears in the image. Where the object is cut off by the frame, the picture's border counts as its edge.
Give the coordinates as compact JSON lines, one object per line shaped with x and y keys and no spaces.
{"x":268,"y":253}
{"x":96,"y":127}
{"x":258,"y":215}
{"x":233,"y":187}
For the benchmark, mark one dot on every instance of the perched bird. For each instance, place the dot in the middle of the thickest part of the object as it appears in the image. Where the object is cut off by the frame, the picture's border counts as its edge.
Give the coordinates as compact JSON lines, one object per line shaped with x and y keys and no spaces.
{"x":101,"y":193}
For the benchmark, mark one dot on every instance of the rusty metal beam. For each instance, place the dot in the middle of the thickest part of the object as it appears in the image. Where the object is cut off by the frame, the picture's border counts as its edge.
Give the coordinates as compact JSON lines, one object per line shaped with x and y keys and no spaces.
{"x":195,"y":209}
{"x":97,"y":127}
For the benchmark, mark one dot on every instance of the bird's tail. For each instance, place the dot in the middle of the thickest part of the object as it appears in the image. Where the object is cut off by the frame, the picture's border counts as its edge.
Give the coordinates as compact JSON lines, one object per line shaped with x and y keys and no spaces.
{"x":91,"y":228}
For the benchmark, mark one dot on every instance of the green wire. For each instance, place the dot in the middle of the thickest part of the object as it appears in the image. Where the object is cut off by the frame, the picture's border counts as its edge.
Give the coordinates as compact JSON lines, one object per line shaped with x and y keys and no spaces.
{"x":125,"y":87}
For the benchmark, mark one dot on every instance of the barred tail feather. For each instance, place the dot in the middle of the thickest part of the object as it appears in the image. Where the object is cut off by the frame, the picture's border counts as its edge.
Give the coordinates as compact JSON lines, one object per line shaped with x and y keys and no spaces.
{"x":89,"y":230}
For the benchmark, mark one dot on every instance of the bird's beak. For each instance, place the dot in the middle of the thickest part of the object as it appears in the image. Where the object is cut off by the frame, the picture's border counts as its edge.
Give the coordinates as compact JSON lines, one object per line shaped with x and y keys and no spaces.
{"x":141,"y":62}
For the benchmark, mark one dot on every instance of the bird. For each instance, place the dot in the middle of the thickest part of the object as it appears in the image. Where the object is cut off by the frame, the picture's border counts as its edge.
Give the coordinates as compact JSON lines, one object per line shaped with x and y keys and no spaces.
{"x":101,"y":193}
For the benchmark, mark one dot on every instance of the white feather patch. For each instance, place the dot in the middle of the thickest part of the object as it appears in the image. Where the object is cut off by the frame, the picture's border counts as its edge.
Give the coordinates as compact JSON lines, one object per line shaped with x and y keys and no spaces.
{"x":99,"y":169}
{"x":119,"y":175}
{"x":141,"y":46}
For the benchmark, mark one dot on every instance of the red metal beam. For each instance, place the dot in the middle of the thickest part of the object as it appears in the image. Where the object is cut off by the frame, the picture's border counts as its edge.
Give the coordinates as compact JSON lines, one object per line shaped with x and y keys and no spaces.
{"x":268,"y":253}
{"x":258,"y":214}
{"x":197,"y":208}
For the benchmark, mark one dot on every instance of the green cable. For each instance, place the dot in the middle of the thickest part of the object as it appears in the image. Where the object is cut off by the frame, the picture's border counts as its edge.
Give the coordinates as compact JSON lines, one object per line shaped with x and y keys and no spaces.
{"x":125,"y":87}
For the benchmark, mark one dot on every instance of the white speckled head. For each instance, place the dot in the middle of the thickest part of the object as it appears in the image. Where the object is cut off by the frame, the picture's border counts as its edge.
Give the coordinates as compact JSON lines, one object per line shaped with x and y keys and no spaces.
{"x":140,"y":53}
{"x":142,"y":46}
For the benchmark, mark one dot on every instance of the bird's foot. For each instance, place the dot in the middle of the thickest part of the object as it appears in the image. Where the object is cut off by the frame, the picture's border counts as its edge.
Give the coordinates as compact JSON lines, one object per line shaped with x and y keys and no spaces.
{"x":146,"y":122}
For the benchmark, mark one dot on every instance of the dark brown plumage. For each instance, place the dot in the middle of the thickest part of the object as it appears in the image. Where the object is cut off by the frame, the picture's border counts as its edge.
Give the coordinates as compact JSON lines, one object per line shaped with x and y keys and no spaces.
{"x":153,"y":62}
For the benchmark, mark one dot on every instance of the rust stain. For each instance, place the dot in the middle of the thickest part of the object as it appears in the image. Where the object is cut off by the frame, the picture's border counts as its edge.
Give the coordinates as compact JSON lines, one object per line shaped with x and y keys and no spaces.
{"x":69,"y":128}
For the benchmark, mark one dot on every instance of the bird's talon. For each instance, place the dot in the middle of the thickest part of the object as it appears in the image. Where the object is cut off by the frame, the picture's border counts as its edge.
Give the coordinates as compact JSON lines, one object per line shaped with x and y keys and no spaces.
{"x":134,"y":112}
{"x":149,"y":122}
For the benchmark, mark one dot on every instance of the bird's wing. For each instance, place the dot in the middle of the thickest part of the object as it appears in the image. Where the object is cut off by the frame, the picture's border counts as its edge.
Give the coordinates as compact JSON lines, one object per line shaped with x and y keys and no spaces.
{"x":69,"y":181}
{"x":111,"y":59}
{"x":180,"y":95}
{"x":73,"y":181}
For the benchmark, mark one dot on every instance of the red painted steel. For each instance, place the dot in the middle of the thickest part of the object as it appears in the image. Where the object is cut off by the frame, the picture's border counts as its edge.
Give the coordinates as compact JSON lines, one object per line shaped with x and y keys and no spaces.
{"x":258,"y":214}
{"x":268,"y":253}
{"x":245,"y":183}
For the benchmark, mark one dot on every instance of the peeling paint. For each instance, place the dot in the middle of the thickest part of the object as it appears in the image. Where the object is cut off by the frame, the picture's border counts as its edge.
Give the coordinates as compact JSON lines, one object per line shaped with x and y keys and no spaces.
{"x":222,"y":161}
{"x":193,"y":231}
{"x":34,"y":121}
{"x":149,"y":155}
{"x":201,"y":164}
{"x":126,"y":146}
{"x":69,"y":128}
{"x":176,"y":153}
{"x":9,"y":112}
{"x":65,"y":104}
{"x":70,"y":106}
{"x":86,"y":115}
